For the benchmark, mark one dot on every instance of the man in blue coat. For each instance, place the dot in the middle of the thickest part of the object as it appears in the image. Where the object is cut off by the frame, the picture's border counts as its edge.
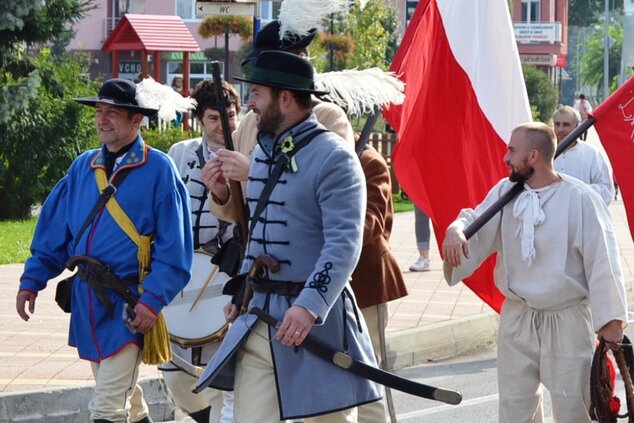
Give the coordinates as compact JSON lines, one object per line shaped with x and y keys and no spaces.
{"x":156,"y":203}
{"x":312,"y":224}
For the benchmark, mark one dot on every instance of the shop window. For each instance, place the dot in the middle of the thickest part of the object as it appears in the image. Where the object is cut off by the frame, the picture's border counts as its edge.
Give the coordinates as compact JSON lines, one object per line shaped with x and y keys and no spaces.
{"x":410,"y":7}
{"x":530,"y":11}
{"x":198,"y":71}
{"x":186,"y":9}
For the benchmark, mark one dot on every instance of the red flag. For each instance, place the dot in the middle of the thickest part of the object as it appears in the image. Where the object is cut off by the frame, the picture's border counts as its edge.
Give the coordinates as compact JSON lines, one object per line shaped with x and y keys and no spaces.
{"x":464,"y":93}
{"x":615,"y":126}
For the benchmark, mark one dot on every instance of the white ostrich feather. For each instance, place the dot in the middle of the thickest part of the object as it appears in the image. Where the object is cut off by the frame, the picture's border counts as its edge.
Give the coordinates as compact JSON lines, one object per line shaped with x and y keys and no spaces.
{"x":154,"y":95}
{"x":358,"y":91}
{"x":299,"y":16}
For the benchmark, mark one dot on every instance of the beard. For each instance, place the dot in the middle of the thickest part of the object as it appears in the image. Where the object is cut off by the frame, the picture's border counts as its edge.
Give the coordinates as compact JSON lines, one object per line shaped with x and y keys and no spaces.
{"x":270,"y":118}
{"x":521,"y":175}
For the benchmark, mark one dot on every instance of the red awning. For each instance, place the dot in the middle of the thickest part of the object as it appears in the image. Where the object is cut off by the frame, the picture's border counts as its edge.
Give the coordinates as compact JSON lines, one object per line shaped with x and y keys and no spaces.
{"x":151,"y":33}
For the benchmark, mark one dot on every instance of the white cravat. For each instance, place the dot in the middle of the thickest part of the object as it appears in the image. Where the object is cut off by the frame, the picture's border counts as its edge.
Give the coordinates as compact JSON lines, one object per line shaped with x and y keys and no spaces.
{"x":528,"y":210}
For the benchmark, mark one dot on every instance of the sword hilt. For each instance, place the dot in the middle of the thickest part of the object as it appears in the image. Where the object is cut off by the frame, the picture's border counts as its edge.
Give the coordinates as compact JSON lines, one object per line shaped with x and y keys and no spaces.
{"x":266,"y":317}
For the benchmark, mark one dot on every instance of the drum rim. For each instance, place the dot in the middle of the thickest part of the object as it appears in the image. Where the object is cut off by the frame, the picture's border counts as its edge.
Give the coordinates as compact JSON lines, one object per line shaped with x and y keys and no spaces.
{"x":207,"y":339}
{"x":199,"y":342}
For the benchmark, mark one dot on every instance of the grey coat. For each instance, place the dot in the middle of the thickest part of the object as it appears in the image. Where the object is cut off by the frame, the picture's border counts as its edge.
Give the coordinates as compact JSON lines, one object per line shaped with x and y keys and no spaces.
{"x":313,"y":226}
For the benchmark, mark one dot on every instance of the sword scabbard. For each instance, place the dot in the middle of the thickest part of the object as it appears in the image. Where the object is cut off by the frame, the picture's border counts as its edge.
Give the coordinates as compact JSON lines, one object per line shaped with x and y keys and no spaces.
{"x":346,"y":362}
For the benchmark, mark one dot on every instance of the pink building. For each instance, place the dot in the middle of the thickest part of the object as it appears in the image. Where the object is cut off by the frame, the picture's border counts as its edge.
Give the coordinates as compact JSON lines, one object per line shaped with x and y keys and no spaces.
{"x":541,"y":31}
{"x":93,"y":31}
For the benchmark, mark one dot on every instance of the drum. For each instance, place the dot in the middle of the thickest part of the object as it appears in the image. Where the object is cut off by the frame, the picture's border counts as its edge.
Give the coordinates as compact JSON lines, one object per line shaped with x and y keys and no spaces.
{"x":195,"y":317}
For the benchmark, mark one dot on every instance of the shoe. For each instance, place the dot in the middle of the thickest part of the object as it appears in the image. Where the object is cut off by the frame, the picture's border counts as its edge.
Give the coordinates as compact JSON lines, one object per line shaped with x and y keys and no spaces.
{"x":420,"y":265}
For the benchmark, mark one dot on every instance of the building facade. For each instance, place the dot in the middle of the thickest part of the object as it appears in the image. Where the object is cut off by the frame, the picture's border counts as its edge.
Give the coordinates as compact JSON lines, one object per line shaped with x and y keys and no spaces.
{"x":93,"y":31}
{"x":541,"y":32}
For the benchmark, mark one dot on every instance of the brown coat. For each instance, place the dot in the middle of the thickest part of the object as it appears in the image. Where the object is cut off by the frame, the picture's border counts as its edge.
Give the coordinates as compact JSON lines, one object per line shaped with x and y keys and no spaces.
{"x":377,"y":278}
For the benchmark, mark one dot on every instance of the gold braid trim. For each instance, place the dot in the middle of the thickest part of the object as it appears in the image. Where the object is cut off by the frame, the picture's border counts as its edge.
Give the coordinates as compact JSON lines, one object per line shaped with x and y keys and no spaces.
{"x":156,"y":349}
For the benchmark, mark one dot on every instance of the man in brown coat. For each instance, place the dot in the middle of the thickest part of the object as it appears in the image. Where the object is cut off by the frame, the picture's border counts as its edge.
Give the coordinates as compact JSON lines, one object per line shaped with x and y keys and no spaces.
{"x":377,"y":279}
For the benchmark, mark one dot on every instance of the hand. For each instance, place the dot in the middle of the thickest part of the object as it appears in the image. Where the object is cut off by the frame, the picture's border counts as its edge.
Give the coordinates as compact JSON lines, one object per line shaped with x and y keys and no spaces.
{"x":213,"y":178}
{"x":23,"y":297}
{"x":454,"y":245}
{"x":296,"y":324}
{"x":612,"y":333}
{"x":144,"y":319}
{"x":231,"y":312}
{"x":235,"y":165}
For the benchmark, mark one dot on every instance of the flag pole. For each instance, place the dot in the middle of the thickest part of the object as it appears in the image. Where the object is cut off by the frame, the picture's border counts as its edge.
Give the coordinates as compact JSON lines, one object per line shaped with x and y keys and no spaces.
{"x":478,"y":223}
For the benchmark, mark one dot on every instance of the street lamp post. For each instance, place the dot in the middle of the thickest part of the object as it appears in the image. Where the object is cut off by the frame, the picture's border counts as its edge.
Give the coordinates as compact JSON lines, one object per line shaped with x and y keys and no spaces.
{"x":225,"y":67}
{"x":332,"y":34}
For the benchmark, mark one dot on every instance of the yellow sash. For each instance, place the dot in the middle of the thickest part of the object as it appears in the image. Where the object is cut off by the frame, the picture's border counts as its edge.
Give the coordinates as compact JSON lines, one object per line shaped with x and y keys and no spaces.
{"x":157,"y":347}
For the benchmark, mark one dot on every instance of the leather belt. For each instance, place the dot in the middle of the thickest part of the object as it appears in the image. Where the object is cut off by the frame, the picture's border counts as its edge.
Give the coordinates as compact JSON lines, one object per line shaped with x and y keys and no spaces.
{"x":101,"y":278}
{"x":276,"y":287}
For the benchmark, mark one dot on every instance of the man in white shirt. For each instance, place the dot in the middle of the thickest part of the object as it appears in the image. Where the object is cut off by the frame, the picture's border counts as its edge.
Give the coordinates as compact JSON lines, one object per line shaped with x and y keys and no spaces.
{"x":209,"y":234}
{"x":558,"y":267}
{"x":580,"y":159}
{"x":583,"y":107}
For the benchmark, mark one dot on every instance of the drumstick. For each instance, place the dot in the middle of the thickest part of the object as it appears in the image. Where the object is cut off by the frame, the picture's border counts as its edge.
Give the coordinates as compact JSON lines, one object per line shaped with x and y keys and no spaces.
{"x":214,"y":269}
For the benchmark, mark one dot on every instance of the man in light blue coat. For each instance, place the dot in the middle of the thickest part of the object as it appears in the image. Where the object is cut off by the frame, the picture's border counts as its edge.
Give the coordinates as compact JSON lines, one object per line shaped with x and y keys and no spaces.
{"x":312,"y":224}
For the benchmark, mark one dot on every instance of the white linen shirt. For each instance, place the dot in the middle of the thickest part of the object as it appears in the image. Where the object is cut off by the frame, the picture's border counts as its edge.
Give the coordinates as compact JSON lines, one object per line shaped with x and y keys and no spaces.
{"x":576,"y":257}
{"x":586,"y":163}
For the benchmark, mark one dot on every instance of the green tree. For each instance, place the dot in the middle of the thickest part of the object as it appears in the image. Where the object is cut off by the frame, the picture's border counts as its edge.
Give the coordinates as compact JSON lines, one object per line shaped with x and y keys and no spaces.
{"x":25,"y":23}
{"x":585,"y":12}
{"x":42,"y":129}
{"x":592,"y":59}
{"x":373,"y":31}
{"x":542,"y":96}
{"x":41,"y":141}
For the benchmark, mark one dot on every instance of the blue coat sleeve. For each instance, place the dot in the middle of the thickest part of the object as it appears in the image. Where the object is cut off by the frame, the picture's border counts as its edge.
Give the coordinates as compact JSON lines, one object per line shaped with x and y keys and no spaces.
{"x":49,"y":248}
{"x":340,"y":177}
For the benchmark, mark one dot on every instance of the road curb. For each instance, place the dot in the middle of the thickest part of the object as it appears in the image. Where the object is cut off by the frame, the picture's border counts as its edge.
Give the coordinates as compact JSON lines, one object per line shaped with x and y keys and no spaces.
{"x":70,"y":405}
{"x":436,"y":341}
{"x":406,"y":348}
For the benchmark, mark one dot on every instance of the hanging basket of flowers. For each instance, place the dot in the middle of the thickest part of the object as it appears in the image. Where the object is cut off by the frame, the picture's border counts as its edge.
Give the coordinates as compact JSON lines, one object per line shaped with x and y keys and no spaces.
{"x":215,"y":26}
{"x":342,"y":45}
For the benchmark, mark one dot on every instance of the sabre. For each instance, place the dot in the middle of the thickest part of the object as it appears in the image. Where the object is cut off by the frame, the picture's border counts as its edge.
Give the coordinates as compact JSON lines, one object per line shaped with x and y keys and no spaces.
{"x":185,"y":366}
{"x":345,"y":362}
{"x":359,"y":148}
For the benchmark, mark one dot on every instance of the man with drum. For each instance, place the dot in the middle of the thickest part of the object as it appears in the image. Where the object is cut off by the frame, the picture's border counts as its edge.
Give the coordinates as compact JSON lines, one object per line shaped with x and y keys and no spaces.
{"x":209,"y":234}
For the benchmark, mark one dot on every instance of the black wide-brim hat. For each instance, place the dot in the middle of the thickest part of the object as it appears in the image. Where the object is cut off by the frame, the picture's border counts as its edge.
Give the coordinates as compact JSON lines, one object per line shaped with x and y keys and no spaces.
{"x":120,"y":93}
{"x":268,"y":38}
{"x":287,"y":71}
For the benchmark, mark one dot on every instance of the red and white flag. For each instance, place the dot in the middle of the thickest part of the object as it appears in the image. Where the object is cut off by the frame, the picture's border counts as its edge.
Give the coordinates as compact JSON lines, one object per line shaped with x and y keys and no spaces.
{"x":464,"y":93}
{"x":614,"y":122}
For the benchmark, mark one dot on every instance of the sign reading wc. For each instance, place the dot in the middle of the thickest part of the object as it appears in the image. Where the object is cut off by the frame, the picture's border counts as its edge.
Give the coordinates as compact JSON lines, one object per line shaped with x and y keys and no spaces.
{"x":206,"y":8}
